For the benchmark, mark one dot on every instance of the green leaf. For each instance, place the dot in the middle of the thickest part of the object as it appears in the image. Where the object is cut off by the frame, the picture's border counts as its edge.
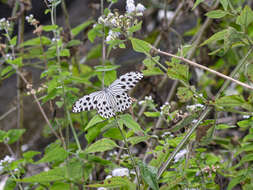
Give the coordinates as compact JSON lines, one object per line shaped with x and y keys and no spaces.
{"x":249,"y":71}
{"x":56,"y":174}
{"x":10,"y":184}
{"x":61,"y":186}
{"x":75,"y":31}
{"x":14,"y":135}
{"x":152,"y":114}
{"x":3,"y":135}
{"x":94,"y":53}
{"x":36,"y":42}
{"x":216,"y":14}
{"x":101,"y":146}
{"x":13,"y":41}
{"x":230,"y":101}
{"x":115,"y":182}
{"x":6,"y":70}
{"x":94,"y":131}
{"x":216,"y":37}
{"x":94,"y":32}
{"x":65,"y":53}
{"x":150,"y":63}
{"x":246,"y":17}
{"x":30,"y":154}
{"x":149,"y":174}
{"x":197,"y":2}
{"x":178,"y":71}
{"x":113,"y":133}
{"x":130,"y":123}
{"x":49,"y":28}
{"x":101,"y":68}
{"x":138,"y":139}
{"x":245,"y":123}
{"x":224,"y":4}
{"x":96,"y":119}
{"x":135,"y":28}
{"x":18,"y":61}
{"x":140,"y":46}
{"x":54,"y":155}
{"x":234,"y":181}
{"x":75,"y":170}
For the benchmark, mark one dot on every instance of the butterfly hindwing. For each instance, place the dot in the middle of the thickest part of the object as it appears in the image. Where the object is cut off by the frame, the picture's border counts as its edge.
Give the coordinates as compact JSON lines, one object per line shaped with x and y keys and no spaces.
{"x":105,"y":106}
{"x":85,"y":103}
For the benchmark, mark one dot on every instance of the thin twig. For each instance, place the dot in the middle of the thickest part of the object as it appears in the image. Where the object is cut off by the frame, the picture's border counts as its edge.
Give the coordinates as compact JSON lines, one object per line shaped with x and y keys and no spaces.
{"x":203,"y":67}
{"x":202,"y":116}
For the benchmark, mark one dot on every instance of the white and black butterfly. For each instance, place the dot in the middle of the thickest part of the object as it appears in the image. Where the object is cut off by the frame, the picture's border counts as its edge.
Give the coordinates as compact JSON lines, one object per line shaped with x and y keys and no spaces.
{"x":111,"y":99}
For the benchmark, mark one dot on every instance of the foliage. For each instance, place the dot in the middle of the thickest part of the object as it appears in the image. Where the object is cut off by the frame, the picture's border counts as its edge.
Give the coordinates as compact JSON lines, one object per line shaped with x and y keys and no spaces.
{"x":200,"y":139}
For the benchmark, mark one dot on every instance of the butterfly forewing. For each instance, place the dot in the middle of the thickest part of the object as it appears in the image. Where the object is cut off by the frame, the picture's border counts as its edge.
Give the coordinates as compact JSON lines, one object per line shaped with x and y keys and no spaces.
{"x":126,"y":81}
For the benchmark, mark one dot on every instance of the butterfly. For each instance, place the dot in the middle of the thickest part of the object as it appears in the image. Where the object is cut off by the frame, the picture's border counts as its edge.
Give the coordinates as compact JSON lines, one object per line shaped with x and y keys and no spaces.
{"x":112,"y":99}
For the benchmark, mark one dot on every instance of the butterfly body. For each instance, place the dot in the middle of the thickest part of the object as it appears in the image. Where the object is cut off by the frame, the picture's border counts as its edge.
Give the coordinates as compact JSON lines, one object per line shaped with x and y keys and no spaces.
{"x":111,"y":99}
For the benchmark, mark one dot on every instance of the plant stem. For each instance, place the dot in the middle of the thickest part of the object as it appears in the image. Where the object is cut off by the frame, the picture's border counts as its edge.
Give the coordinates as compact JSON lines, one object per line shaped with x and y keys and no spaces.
{"x":202,"y":116}
{"x":204,"y":67}
{"x":130,"y":154}
{"x":103,"y":44}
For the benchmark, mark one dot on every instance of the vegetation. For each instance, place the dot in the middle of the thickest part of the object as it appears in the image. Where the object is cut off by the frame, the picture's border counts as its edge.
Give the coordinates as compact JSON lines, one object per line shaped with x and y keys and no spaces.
{"x":199,"y":137}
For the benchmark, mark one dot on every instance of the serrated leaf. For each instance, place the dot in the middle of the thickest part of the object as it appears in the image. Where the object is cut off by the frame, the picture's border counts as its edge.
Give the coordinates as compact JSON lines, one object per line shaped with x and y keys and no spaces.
{"x":56,"y":154}
{"x":224,"y":4}
{"x":75,"y":31}
{"x":13,"y":41}
{"x":197,"y":3}
{"x":140,"y":46}
{"x":14,"y":135}
{"x":96,"y":119}
{"x":101,"y":146}
{"x":49,"y":28}
{"x":152,"y":114}
{"x":94,"y":131}
{"x":135,"y":28}
{"x":56,"y":174}
{"x":246,"y":17}
{"x":115,"y":182}
{"x":230,"y":101}
{"x":149,"y":174}
{"x":138,"y":139}
{"x":178,"y":71}
{"x":36,"y":42}
{"x":113,"y":133}
{"x":216,"y":37}
{"x":216,"y":14}
{"x":130,"y":123}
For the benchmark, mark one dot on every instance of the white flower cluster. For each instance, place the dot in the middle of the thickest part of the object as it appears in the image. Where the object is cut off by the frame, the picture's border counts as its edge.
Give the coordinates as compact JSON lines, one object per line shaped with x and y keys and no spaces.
{"x":179,"y":155}
{"x":246,"y":116}
{"x":165,"y":108}
{"x":31,"y":20}
{"x":193,"y":107}
{"x":8,"y":57}
{"x":130,"y":7}
{"x":112,"y":36}
{"x":122,"y":22}
{"x":7,"y":160}
{"x":4,"y":24}
{"x":147,"y":98}
{"x":120,"y":172}
{"x":166,"y":134}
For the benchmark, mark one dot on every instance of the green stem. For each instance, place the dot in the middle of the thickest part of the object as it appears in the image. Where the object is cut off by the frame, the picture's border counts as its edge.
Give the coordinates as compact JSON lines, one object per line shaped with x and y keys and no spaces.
{"x":130,"y":154}
{"x":202,"y":116}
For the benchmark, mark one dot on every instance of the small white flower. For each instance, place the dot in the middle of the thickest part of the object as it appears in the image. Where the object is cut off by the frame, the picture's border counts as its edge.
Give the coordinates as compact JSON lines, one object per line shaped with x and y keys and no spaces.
{"x":102,"y":188}
{"x":130,"y":7}
{"x":112,"y":35}
{"x":7,"y":159}
{"x":161,"y":15}
{"x":140,"y":8}
{"x":246,"y":116}
{"x":141,"y":102}
{"x":120,"y":172}
{"x":24,"y":147}
{"x":108,"y":177}
{"x":148,"y":98}
{"x":194,"y":121}
{"x":179,"y":155}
